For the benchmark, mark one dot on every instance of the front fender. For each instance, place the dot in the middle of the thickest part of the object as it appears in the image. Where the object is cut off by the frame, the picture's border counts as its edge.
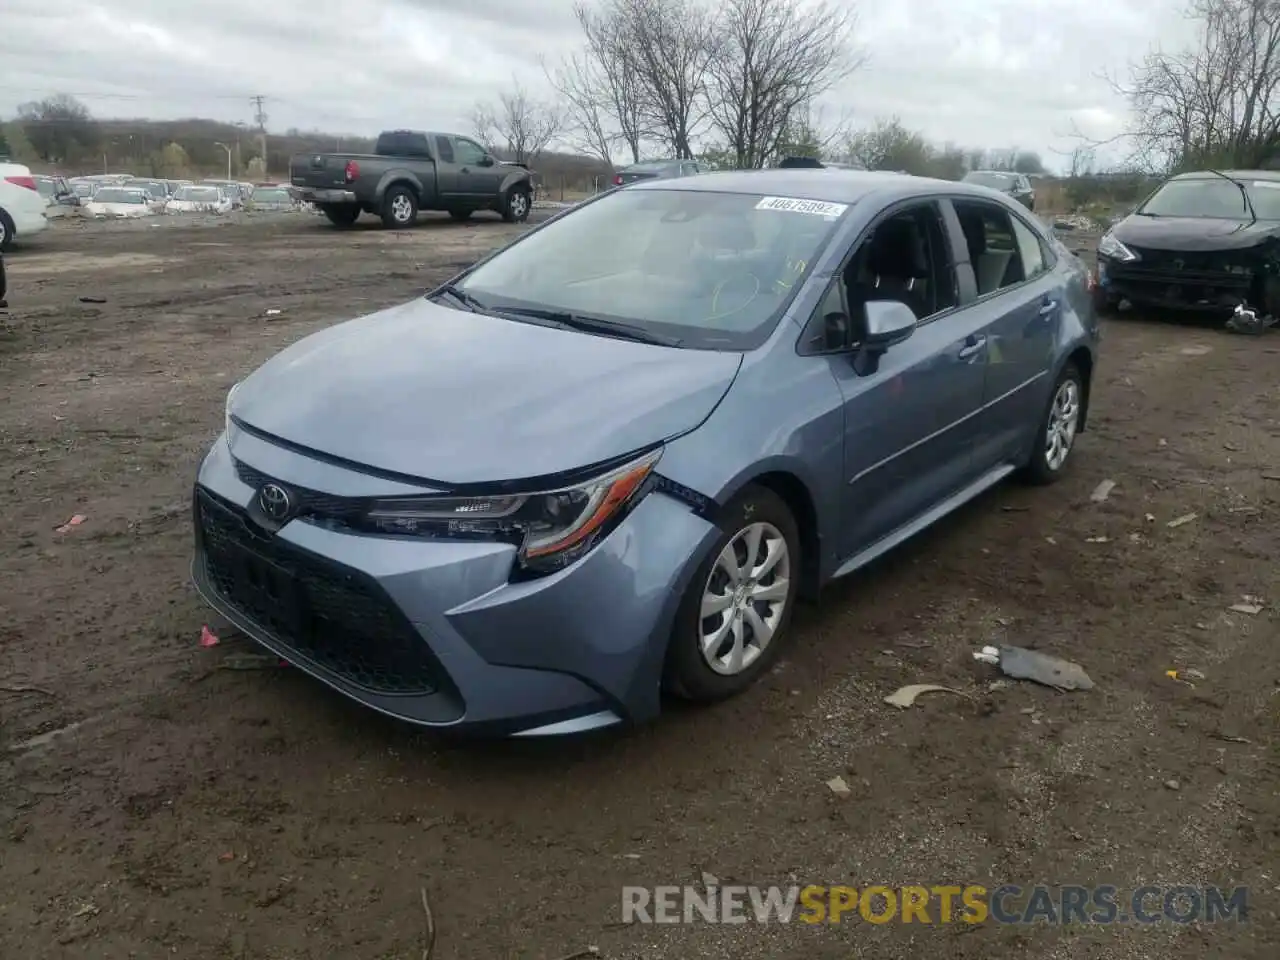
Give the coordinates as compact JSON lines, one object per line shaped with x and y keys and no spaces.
{"x":518,"y":176}
{"x":784,"y":415}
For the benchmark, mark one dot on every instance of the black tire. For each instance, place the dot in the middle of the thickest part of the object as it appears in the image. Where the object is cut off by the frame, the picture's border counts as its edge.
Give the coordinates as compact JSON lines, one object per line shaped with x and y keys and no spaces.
{"x":517,"y":204}
{"x":341,"y":214}
{"x":399,"y":208}
{"x":7,"y":232}
{"x":1039,"y":469}
{"x":686,"y":672}
{"x":461,"y":214}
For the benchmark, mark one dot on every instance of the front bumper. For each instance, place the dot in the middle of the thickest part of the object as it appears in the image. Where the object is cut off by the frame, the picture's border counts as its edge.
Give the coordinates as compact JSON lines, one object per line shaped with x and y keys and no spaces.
{"x":1169,"y":287}
{"x":432,"y":631}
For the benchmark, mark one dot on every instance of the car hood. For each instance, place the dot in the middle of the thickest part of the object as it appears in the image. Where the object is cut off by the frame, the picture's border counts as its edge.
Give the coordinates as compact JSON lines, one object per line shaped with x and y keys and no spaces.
{"x":1192,"y":233}
{"x":455,"y":397}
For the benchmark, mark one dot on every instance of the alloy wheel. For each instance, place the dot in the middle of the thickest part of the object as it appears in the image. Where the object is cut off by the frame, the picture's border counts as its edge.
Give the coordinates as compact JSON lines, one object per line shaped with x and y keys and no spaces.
{"x":745,"y":598}
{"x":1064,"y":418}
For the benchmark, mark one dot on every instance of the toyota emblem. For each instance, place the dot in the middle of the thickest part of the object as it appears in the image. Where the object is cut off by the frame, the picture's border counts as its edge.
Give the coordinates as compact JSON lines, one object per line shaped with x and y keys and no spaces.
{"x":275,"y":501}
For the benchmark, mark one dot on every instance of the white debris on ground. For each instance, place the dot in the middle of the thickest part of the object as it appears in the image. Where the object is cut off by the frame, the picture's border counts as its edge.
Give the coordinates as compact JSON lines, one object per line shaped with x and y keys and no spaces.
{"x":1075,"y":221}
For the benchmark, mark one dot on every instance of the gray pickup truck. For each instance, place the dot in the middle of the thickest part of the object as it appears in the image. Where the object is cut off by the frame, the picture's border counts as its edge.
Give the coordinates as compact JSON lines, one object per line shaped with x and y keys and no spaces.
{"x":410,"y":171}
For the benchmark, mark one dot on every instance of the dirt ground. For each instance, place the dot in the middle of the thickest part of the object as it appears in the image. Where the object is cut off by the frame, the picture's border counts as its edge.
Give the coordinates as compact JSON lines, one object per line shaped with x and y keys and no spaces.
{"x":154,"y":805}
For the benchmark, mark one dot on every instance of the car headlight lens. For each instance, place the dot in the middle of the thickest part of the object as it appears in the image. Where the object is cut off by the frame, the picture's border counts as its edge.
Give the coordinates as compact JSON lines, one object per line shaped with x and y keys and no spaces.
{"x":552,"y":528}
{"x":226,"y":410}
{"x":1109,"y":246}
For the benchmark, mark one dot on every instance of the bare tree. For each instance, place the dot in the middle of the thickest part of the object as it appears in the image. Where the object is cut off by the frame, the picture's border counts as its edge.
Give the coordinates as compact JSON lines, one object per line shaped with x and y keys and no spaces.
{"x":582,"y":86}
{"x":1217,"y":102}
{"x":769,"y":61}
{"x":524,"y":124}
{"x":609,"y":63}
{"x":667,"y":46}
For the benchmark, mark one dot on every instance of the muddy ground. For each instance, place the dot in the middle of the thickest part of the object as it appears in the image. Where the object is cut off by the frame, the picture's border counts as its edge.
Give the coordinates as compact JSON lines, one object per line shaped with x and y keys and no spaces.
{"x":154,"y":805}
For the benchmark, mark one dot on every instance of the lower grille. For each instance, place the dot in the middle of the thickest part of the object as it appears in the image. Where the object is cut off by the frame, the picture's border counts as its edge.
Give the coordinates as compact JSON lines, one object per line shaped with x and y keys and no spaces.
{"x":333,"y":617}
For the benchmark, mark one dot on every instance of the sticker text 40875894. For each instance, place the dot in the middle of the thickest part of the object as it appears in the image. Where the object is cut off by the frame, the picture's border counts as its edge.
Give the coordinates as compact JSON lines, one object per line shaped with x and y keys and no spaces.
{"x":817,"y":207}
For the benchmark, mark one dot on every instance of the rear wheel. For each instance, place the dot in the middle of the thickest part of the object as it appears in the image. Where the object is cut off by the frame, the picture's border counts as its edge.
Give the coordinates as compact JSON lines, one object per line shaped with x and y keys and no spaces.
{"x":399,"y":208}
{"x":341,"y":214}
{"x":1059,"y":427}
{"x":737,"y":609}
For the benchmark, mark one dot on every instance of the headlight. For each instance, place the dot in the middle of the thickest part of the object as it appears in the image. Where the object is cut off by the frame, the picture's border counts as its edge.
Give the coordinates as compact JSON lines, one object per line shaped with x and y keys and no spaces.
{"x":552,"y":528}
{"x":1109,"y":246}
{"x":226,"y":410}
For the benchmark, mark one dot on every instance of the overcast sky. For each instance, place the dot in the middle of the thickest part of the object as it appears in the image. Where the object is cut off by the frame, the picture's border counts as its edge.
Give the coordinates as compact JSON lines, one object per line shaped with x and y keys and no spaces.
{"x":995,"y":73}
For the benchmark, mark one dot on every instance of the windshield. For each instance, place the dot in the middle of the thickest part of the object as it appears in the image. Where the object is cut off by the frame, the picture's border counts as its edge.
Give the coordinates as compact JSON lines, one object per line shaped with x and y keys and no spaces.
{"x":198,"y":194}
{"x":1000,"y":181}
{"x":230,"y":189}
{"x":1215,"y":198}
{"x":712,"y":269}
{"x":82,"y":189}
{"x":654,"y":166}
{"x":119,"y":195}
{"x":154,"y":189}
{"x":270,"y":196}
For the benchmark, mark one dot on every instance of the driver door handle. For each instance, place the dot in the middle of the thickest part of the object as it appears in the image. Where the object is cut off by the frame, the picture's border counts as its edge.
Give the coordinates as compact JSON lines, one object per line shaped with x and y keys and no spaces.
{"x":972,"y":346}
{"x":1048,"y":307}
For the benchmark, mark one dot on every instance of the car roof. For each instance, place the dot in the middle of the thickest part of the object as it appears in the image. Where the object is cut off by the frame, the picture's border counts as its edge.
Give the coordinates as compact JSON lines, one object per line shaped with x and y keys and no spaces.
{"x":827,"y":184}
{"x":1270,"y":175}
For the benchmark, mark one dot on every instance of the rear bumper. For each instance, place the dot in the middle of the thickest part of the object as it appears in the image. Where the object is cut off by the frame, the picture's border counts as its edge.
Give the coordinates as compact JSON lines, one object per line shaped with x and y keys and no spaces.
{"x":27,"y":222}
{"x":317,"y":195}
{"x":433,"y":632}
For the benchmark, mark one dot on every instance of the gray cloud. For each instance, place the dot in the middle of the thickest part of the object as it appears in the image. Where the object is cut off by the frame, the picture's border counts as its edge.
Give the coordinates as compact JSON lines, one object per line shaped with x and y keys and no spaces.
{"x":976,"y":72}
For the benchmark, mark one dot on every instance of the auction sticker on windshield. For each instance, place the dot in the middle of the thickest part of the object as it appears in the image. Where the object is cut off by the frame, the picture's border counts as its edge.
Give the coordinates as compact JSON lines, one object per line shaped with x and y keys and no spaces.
{"x":819,"y":207}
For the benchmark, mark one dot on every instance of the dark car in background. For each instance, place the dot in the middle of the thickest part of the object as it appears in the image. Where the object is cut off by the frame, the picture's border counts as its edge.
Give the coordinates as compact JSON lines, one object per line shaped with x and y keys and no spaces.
{"x":657,"y":170}
{"x":1206,"y":241}
{"x":1015,"y":185}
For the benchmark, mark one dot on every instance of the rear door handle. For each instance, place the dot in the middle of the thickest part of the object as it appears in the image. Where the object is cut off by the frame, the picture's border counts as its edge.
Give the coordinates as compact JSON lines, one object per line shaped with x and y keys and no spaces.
{"x":972,"y":347}
{"x":1048,"y":307}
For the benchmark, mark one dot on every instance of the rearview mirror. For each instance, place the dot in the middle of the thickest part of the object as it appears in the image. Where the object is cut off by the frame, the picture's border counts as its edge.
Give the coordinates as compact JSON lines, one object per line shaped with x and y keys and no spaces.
{"x":486,"y":161}
{"x":889,"y":322}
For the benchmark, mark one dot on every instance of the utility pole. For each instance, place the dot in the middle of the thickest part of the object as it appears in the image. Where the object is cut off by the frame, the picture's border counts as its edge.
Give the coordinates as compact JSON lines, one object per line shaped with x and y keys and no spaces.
{"x":260,"y":118}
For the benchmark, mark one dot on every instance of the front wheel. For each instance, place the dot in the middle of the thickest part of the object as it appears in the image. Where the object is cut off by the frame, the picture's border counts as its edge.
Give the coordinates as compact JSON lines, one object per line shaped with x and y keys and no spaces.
{"x":1059,"y":428}
{"x":516,"y":207}
{"x":7,"y":232}
{"x":735,"y":614}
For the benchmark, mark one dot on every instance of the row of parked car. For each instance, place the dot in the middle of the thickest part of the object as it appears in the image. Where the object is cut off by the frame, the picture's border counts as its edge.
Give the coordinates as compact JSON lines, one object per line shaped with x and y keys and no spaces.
{"x":123,"y":195}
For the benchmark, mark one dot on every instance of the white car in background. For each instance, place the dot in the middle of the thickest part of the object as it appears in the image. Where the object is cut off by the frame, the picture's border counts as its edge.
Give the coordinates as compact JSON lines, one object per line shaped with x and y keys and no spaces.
{"x":22,"y":209}
{"x":119,"y":202}
{"x":198,"y":198}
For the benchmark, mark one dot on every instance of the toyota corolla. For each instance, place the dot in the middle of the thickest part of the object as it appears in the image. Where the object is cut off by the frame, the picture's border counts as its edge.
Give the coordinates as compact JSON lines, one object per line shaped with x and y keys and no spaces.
{"x":603,"y":464}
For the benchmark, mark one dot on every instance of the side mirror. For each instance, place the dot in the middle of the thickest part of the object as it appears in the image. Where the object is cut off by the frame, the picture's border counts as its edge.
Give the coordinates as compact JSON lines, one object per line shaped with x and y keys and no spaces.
{"x":889,"y":322}
{"x":486,"y":161}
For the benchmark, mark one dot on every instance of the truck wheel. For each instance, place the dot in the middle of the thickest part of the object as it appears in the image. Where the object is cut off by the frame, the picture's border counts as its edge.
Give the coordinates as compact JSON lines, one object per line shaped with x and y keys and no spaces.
{"x":341,"y":214}
{"x":461,"y":214}
{"x":399,"y":208}
{"x":516,"y":207}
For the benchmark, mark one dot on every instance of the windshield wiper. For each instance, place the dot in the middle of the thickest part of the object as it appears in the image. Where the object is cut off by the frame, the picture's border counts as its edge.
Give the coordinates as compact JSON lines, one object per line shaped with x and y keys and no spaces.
{"x":464,"y":298}
{"x":588,"y":324}
{"x":1244,"y":192}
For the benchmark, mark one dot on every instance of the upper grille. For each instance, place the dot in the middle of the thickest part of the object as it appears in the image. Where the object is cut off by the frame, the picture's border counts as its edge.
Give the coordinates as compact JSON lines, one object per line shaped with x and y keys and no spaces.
{"x":311,"y":503}
{"x":334,"y":617}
